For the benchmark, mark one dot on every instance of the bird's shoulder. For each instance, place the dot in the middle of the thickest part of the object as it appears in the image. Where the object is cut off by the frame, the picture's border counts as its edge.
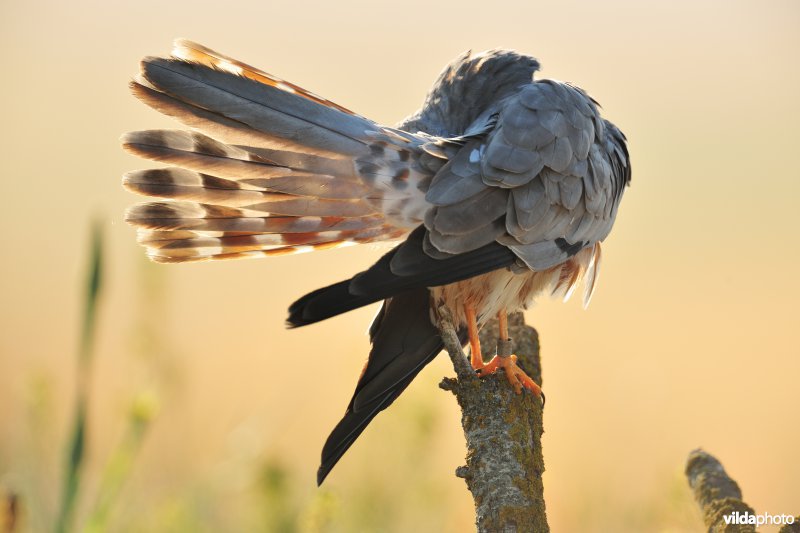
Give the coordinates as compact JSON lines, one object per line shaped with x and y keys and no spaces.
{"x":542,"y":173}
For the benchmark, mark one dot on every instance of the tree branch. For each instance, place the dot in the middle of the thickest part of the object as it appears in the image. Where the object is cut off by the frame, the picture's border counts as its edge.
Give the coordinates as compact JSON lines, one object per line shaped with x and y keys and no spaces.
{"x":719,"y":496}
{"x":716,"y":493}
{"x":503,"y":431}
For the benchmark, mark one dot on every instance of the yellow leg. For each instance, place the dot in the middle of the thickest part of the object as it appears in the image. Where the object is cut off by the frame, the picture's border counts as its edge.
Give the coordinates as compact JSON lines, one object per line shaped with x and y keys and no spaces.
{"x":515,"y":375}
{"x":502,"y":321}
{"x":474,"y":341}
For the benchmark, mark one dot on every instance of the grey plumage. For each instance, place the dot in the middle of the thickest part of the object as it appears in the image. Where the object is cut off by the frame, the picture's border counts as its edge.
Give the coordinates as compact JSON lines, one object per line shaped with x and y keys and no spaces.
{"x":470,"y":87}
{"x":283,"y":114}
{"x":486,"y":128}
{"x":496,"y":171}
{"x":545,"y":148}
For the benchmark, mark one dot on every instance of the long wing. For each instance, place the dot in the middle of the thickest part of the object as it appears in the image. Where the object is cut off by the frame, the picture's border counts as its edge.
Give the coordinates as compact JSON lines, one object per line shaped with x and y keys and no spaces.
{"x":403,"y":337}
{"x":406,"y":267}
{"x":403,"y":341}
{"x":540,"y":186}
{"x":542,"y":183}
{"x":534,"y":177}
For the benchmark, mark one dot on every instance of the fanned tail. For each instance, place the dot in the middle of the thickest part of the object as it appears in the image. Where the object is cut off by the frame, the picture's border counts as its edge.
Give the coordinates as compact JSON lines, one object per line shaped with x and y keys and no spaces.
{"x":271,"y":169}
{"x":228,"y":203}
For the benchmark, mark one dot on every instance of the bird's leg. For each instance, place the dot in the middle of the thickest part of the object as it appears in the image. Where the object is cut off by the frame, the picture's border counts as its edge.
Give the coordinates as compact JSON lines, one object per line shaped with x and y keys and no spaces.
{"x":502,"y":325}
{"x":474,"y":341}
{"x":508,"y":361}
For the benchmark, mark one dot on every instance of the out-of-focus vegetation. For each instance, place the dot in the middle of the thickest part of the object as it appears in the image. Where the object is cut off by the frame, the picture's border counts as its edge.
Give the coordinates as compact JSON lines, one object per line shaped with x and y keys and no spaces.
{"x":73,"y":469}
{"x":399,"y":487}
{"x":28,"y":509}
{"x":274,"y":498}
{"x":696,"y":311}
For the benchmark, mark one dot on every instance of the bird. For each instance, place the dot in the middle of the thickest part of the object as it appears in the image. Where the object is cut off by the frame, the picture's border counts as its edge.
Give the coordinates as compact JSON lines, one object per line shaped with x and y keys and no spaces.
{"x":498,"y":190}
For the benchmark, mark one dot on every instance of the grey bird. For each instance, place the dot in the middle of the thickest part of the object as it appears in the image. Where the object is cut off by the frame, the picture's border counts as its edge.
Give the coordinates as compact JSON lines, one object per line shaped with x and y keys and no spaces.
{"x":499,"y":189}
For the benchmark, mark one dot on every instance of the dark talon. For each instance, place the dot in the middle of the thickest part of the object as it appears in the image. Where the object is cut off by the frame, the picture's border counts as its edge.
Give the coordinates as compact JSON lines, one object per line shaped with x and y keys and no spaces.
{"x":543,"y":399}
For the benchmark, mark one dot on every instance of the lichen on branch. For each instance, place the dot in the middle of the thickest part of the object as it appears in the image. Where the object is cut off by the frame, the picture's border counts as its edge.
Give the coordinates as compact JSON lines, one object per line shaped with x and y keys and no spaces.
{"x":503,"y":432}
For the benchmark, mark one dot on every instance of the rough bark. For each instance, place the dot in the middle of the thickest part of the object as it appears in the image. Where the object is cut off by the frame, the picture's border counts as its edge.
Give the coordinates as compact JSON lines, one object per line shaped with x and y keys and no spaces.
{"x":718,"y":495}
{"x":793,"y":527}
{"x":503,"y":431}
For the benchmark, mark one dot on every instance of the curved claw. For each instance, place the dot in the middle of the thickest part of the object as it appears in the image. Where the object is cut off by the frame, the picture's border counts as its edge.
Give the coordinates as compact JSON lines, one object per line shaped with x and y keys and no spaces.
{"x":515,"y":375}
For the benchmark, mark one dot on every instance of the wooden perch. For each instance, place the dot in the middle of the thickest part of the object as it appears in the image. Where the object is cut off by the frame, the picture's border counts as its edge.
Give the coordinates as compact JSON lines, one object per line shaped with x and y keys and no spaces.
{"x":716,"y":493}
{"x":503,"y":431}
{"x":719,"y":496}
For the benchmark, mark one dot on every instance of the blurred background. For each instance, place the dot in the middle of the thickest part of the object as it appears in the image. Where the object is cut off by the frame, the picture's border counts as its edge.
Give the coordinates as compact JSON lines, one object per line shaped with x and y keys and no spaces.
{"x":205,"y":414}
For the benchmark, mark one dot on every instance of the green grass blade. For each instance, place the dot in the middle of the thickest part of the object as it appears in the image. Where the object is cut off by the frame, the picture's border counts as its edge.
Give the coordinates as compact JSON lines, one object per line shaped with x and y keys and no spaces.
{"x":77,"y":444}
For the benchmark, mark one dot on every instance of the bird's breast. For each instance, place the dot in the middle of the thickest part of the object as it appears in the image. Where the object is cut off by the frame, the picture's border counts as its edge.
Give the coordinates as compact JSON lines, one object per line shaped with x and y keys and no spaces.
{"x":505,"y":289}
{"x":491,"y":292}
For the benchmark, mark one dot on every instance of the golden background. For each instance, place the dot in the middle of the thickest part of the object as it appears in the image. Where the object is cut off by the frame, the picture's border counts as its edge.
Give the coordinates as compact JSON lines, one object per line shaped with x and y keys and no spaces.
{"x":692,"y":339}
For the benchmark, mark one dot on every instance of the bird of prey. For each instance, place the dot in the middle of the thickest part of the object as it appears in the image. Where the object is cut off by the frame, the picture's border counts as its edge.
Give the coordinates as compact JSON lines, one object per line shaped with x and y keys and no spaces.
{"x":500,"y":188}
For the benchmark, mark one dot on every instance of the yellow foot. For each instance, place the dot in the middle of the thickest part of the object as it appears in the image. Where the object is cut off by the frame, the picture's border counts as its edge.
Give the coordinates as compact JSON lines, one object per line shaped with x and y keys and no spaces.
{"x":515,"y":375}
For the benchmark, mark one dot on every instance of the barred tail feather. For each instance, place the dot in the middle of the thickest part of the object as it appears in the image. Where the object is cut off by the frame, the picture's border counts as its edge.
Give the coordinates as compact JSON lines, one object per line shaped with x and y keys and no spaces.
{"x":175,"y":231}
{"x":271,"y":168}
{"x":200,"y":247}
{"x":218,"y":255}
{"x":251,"y":203}
{"x":175,"y":246}
{"x":282,"y":112}
{"x":208,"y":157}
{"x":197,"y":53}
{"x":181,"y":184}
{"x":191,"y":216}
{"x":210,"y":123}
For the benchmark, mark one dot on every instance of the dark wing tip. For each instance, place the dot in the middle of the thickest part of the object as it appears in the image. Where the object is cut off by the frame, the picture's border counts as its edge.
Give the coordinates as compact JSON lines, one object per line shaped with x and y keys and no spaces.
{"x":406,"y":267}
{"x":404,"y":340}
{"x":296,"y":320}
{"x":293,"y":322}
{"x":324,"y":303}
{"x":345,"y":434}
{"x":322,"y":473}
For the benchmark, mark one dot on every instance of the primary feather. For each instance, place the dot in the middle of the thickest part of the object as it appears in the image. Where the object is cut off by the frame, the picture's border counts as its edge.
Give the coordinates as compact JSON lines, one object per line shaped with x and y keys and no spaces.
{"x":501,"y":186}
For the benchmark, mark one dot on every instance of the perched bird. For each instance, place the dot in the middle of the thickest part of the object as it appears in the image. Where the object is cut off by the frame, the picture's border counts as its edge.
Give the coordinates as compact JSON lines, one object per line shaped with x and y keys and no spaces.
{"x":501,"y":187}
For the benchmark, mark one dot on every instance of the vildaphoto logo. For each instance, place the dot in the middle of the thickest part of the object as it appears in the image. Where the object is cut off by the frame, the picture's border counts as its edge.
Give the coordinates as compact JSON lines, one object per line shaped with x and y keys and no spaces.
{"x":762,"y":519}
